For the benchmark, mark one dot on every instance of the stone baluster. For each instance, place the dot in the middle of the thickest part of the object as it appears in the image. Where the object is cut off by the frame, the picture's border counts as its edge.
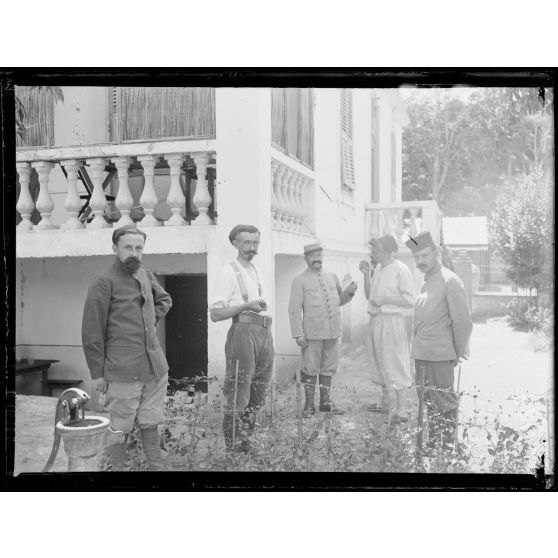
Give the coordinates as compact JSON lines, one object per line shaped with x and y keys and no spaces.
{"x":413,"y":230}
{"x":274,"y":202}
{"x":124,"y":201}
{"x":278,"y":197}
{"x":299,"y":207}
{"x":306,"y":197}
{"x":45,"y":205}
{"x":283,"y":200}
{"x":399,"y":225}
{"x":98,"y":202}
{"x":175,"y":198}
{"x":25,"y":204}
{"x":291,"y":203}
{"x":202,"y":199}
{"x":148,"y":199}
{"x":375,"y":223}
{"x":73,"y":203}
{"x":386,"y":222}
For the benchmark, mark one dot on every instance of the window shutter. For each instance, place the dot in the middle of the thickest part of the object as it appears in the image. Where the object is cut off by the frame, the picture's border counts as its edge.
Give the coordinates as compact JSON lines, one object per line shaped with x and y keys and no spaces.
{"x":347,"y":165}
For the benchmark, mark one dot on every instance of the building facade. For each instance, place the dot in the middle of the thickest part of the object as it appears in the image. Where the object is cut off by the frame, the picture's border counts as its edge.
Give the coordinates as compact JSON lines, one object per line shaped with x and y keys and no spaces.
{"x":187,"y":164}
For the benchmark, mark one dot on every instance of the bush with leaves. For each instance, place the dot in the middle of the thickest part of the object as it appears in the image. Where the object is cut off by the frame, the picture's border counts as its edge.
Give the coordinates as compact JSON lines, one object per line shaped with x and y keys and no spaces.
{"x":521,"y":230}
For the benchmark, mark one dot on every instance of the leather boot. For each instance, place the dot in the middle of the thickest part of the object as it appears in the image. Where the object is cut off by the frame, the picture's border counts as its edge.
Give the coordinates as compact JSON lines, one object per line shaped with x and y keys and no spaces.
{"x":402,"y":411}
{"x":309,"y":383}
{"x":117,"y":453}
{"x":326,"y":404}
{"x":152,"y":448}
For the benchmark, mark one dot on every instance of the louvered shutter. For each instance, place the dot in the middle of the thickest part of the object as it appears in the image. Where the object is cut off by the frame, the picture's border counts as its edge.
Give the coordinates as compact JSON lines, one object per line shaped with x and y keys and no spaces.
{"x":347,"y":166}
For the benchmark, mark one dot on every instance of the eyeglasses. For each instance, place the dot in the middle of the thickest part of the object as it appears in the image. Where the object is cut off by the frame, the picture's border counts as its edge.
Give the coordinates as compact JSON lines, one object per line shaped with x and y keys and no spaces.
{"x":255,"y":243}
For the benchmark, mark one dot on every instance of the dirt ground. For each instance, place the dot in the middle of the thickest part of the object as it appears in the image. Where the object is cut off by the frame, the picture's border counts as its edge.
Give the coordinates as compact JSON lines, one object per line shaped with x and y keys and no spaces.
{"x":506,"y":379}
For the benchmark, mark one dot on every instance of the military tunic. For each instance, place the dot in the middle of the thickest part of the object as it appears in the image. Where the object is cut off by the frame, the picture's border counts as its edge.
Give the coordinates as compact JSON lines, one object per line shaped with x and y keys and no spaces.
{"x":318,"y":297}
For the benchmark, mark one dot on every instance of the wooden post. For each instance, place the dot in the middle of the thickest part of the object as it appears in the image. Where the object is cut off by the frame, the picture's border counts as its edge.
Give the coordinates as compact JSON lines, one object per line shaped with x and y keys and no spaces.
{"x":234,"y":405}
{"x":299,"y":405}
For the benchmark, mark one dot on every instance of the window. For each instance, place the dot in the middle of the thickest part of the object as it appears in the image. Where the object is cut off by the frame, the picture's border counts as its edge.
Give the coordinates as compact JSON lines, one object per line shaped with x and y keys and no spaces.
{"x":347,"y":159}
{"x":375,"y":171}
{"x":38,"y":120}
{"x":159,"y":112}
{"x":292,"y":124}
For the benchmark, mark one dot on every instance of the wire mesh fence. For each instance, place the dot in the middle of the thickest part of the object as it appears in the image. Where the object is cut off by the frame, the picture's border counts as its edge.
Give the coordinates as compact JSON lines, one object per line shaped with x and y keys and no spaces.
{"x":495,"y":434}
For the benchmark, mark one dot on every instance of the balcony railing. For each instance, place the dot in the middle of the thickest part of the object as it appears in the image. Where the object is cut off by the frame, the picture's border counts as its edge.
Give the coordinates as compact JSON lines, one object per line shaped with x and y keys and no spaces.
{"x":403,"y":219}
{"x":292,"y":196}
{"x":165,"y":183}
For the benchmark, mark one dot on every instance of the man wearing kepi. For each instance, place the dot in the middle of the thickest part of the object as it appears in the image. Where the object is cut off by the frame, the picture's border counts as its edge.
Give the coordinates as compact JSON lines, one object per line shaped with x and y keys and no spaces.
{"x":121,"y":347}
{"x":315,"y":319}
{"x":239,"y":294}
{"x":442,"y":327}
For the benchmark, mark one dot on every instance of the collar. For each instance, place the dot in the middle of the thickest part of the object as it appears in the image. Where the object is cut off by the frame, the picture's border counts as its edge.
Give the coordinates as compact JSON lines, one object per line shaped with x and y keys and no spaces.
{"x":433,"y":271}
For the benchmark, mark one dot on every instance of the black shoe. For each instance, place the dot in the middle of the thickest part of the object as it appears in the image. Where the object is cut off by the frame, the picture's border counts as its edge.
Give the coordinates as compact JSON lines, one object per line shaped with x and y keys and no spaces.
{"x":329,"y":407}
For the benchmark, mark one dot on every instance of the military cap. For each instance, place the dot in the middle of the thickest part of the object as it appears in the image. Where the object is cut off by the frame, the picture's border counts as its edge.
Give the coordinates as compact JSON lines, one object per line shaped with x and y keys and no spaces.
{"x":420,"y":242}
{"x":126,"y":229}
{"x":313,"y":247}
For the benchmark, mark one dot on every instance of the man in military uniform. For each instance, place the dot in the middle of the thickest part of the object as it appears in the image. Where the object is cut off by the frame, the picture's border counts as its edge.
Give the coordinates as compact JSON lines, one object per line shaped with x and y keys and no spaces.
{"x":442,"y":326}
{"x":315,"y":319}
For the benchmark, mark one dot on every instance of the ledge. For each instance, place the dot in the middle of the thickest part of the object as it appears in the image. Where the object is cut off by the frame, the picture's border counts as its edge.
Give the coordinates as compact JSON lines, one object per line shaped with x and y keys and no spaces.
{"x":190,"y":239}
{"x":111,"y":150}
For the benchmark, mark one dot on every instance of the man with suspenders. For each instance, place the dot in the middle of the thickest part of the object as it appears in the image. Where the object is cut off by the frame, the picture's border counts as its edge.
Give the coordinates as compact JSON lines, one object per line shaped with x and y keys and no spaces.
{"x":238,"y":294}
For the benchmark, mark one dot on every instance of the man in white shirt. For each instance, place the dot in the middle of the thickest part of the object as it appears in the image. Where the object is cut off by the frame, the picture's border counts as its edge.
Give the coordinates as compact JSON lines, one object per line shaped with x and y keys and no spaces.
{"x":238,"y":294}
{"x":391,"y":295}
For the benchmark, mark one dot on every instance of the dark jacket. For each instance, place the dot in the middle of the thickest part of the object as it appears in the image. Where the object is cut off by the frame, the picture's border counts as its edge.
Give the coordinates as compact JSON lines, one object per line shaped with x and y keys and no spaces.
{"x":118,"y":329}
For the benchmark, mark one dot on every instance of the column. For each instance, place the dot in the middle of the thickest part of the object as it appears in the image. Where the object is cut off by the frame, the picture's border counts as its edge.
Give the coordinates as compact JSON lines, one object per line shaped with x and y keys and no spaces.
{"x":45,"y":205}
{"x":148,"y":198}
{"x":202,"y":199}
{"x":175,"y":198}
{"x":73,"y":203}
{"x":98,"y":202}
{"x":25,"y":204}
{"x":124,"y":201}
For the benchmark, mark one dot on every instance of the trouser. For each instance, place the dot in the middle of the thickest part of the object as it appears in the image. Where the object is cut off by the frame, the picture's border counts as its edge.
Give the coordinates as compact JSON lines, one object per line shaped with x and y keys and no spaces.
{"x":389,"y":361}
{"x":440,"y":399}
{"x":128,"y":402}
{"x":252,"y":346}
{"x":320,"y":357}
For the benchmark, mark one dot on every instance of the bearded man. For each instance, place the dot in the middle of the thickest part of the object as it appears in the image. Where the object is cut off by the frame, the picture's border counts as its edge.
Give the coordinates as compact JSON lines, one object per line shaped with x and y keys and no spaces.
{"x":120,"y":343}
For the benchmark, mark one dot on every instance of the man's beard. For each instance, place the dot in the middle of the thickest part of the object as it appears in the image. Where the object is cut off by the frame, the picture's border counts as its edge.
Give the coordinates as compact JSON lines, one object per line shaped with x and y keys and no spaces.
{"x":131,"y":264}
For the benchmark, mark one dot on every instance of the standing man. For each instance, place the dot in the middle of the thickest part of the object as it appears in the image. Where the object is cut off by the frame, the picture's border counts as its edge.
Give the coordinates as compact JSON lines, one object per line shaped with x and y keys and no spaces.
{"x":442,"y":327}
{"x":317,"y":295}
{"x":239,"y":294}
{"x":391,"y":294}
{"x":121,"y":347}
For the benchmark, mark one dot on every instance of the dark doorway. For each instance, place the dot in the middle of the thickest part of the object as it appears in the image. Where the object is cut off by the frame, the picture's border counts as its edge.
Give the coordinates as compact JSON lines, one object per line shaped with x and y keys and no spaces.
{"x":186,"y":331}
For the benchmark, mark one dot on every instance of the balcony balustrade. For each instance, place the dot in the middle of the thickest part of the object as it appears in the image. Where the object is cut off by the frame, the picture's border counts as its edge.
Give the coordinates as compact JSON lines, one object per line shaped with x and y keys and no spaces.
{"x":166,"y":183}
{"x":403,"y":219}
{"x":292,"y":195}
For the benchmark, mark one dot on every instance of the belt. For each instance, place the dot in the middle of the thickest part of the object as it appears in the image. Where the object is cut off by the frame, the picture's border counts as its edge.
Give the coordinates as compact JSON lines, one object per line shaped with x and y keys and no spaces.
{"x":251,"y":318}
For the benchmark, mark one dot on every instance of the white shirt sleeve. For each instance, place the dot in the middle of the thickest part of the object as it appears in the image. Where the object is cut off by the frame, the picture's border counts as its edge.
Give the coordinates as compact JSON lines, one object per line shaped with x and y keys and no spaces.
{"x":223,"y":288}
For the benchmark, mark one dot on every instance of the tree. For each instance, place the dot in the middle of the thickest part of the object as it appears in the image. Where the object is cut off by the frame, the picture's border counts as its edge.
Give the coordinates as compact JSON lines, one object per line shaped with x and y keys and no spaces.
{"x":435,"y":146}
{"x":461,"y":151}
{"x":521,"y":230}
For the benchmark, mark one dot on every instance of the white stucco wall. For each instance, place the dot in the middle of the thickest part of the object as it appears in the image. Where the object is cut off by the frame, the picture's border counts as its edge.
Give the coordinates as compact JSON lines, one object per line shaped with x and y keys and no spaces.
{"x":55,"y":288}
{"x":50,"y":295}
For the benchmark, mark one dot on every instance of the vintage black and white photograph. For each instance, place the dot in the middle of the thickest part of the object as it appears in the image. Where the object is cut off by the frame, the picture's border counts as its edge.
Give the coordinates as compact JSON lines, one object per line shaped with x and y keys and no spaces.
{"x":251,"y":278}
